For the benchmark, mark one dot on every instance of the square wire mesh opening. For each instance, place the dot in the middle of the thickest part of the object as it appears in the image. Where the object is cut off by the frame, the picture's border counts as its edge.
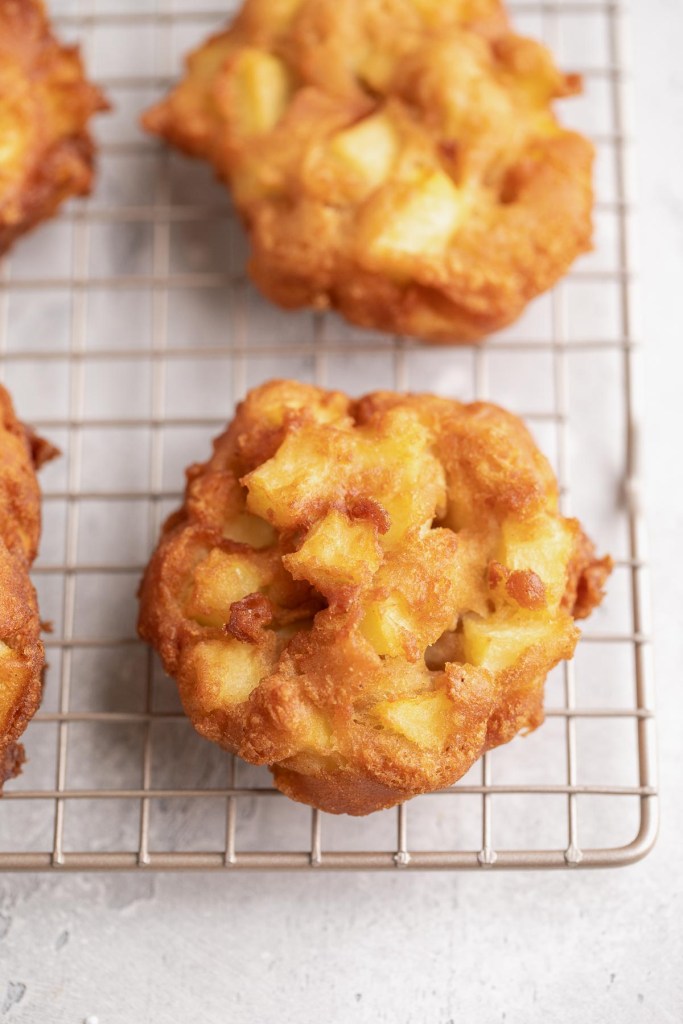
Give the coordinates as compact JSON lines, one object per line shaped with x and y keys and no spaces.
{"x":128,"y":331}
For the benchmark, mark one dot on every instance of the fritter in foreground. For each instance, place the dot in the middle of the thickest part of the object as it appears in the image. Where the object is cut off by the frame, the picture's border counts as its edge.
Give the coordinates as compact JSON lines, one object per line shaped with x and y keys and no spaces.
{"x":396,"y":160}
{"x":21,"y":651}
{"x":46,"y":151}
{"x":367,"y":595}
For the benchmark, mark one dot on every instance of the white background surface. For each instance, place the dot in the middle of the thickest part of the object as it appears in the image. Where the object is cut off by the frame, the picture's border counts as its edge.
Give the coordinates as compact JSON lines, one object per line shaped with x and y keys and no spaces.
{"x":521,"y":948}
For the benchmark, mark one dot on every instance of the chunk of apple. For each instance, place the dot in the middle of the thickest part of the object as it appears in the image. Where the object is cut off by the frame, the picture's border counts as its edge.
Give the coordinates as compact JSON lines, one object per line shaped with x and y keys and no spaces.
{"x":498,"y":642}
{"x":416,"y":218}
{"x":337,"y":552}
{"x":426,"y":720}
{"x":261,"y":89}
{"x":543,"y":544}
{"x":369,"y":149}
{"x":228,"y":671}
{"x":220,"y":580}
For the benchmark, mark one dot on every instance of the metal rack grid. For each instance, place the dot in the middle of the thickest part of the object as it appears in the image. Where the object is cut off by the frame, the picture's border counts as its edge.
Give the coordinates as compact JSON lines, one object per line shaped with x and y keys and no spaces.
{"x":127,"y":332}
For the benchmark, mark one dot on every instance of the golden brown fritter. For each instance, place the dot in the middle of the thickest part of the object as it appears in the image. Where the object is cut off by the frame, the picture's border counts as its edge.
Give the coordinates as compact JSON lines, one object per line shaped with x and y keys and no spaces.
{"x":367,"y":595}
{"x":46,"y":152}
{"x":396,"y":160}
{"x":21,"y":651}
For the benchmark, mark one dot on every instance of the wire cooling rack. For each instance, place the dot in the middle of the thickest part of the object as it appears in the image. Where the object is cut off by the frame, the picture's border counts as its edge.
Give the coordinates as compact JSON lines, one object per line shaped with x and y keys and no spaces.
{"x":128,"y":331}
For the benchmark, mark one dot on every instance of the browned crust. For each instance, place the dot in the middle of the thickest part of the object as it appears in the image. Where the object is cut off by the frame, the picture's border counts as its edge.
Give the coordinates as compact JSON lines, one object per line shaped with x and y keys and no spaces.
{"x":48,"y":103}
{"x":329,"y":672}
{"x":13,"y":761}
{"x":339,"y":792}
{"x":530,"y":196}
{"x":248,"y":618}
{"x":587,"y":577}
{"x":21,"y":651}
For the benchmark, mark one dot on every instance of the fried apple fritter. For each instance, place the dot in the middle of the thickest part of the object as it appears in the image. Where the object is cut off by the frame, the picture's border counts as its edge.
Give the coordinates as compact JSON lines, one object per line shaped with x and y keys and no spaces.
{"x":21,"y":652}
{"x":367,"y":595}
{"x":46,"y":151}
{"x":396,"y":160}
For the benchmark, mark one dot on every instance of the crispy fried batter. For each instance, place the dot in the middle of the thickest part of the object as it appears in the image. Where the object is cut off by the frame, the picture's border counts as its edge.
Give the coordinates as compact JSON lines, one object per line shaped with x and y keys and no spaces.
{"x":396,"y":160}
{"x":21,"y":651}
{"x":367,"y":595}
{"x":46,"y":152}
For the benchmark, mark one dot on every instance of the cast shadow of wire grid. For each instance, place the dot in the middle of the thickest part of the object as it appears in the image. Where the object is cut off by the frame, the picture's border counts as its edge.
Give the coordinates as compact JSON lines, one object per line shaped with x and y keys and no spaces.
{"x":128,"y":331}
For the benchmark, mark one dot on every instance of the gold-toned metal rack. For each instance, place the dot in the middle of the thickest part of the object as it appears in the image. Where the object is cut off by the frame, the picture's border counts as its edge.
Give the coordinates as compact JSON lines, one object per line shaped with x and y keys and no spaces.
{"x":128,"y":331}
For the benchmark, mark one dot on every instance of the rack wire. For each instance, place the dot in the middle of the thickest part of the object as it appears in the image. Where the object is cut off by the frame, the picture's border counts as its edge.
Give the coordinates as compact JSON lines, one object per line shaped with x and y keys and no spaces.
{"x":128,"y":331}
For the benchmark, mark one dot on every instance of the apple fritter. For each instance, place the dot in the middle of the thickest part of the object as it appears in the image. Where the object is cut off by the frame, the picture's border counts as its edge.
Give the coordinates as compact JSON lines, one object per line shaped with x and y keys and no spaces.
{"x":396,"y":160}
{"x":46,"y":151}
{"x":21,"y":651}
{"x":367,"y":595}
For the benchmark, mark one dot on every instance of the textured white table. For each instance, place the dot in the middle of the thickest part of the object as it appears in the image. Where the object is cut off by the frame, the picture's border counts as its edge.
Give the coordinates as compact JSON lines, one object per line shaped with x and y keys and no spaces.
{"x":522,"y":948}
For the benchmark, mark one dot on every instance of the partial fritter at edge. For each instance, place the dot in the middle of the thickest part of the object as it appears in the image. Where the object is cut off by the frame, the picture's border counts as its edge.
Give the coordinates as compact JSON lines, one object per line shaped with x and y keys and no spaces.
{"x":396,"y":160}
{"x":22,"y":656}
{"x":367,"y":595}
{"x":46,"y":152}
